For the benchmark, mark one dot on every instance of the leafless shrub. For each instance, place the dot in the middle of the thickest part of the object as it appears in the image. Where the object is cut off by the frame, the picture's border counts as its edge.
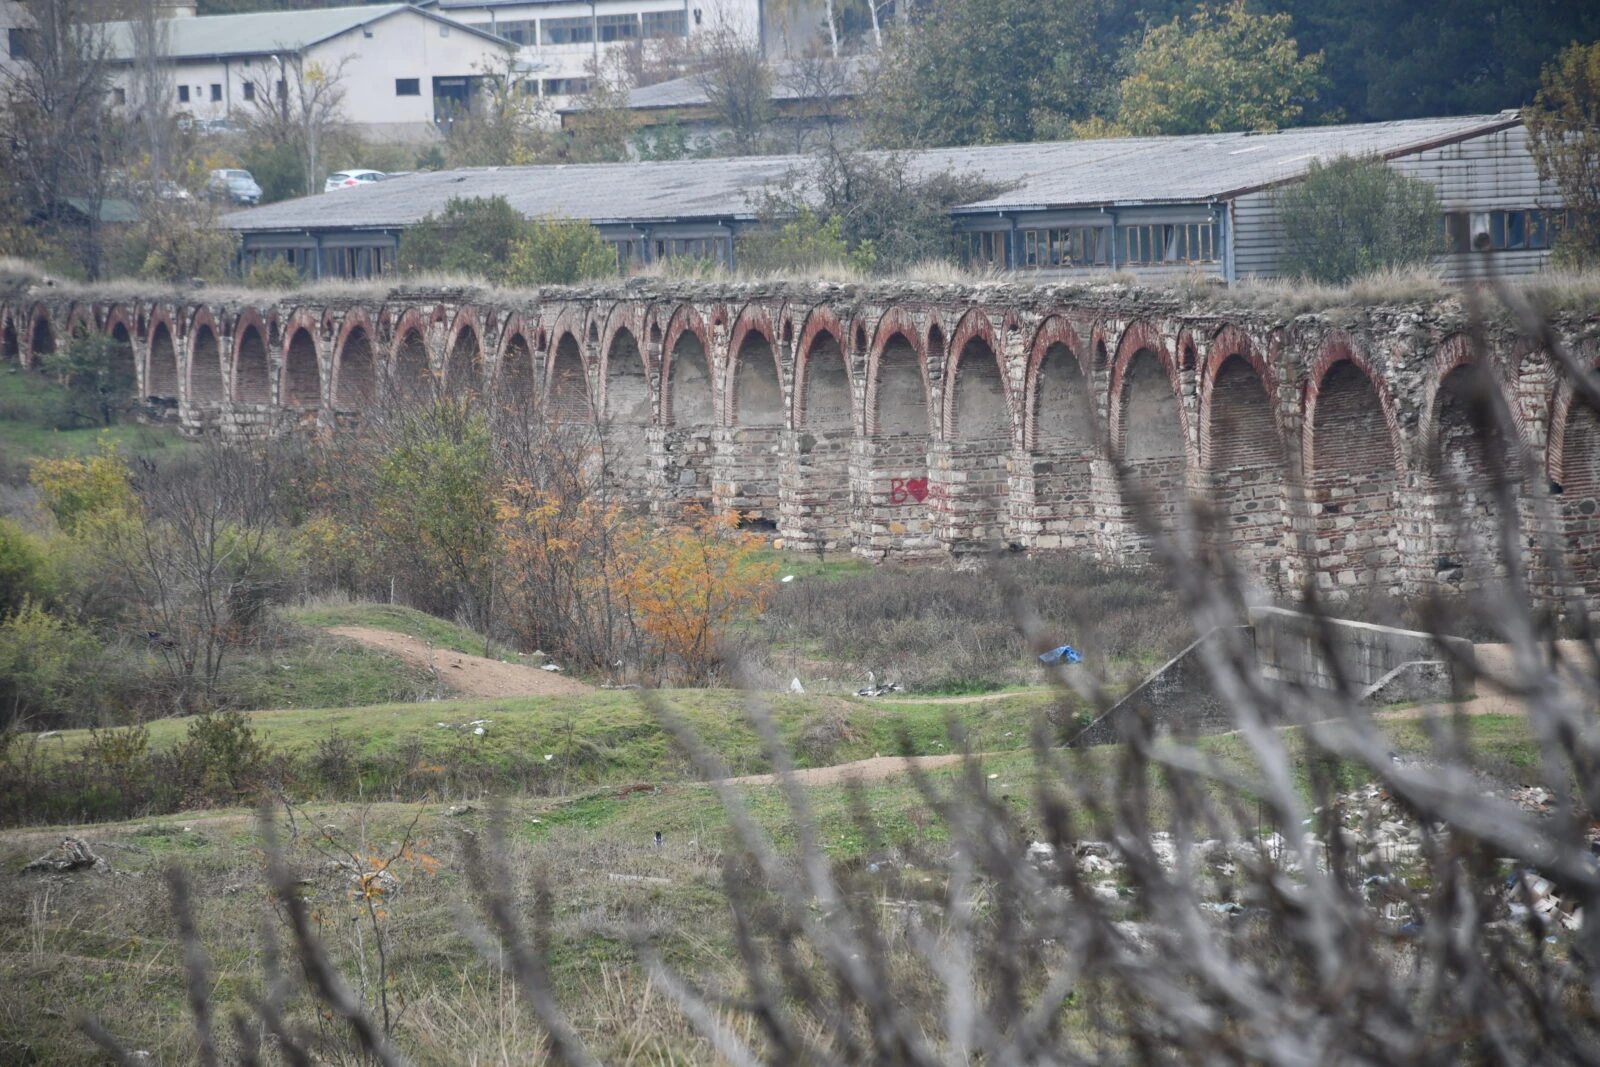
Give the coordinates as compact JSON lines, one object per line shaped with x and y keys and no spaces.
{"x":1314,"y":900}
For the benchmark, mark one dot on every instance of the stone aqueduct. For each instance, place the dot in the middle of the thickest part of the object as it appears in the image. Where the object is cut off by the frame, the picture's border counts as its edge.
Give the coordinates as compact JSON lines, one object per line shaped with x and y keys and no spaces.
{"x":915,"y":421}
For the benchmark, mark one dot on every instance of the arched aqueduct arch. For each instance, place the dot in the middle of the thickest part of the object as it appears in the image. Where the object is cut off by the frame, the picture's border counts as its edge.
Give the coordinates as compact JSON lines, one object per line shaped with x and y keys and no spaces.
{"x":1294,"y":432}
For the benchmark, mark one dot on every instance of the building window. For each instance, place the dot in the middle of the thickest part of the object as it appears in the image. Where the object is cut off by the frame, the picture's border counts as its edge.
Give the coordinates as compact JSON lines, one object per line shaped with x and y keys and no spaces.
{"x":444,"y":31}
{"x":618,"y":27}
{"x":566,"y":86}
{"x":1523,"y":230}
{"x":628,"y":254}
{"x":665,"y":24}
{"x":183,"y":94}
{"x":17,"y":42}
{"x":216,"y":93}
{"x":408,"y":87}
{"x":987,"y":249}
{"x":1190,"y":242}
{"x":715,"y":249}
{"x":248,"y":89}
{"x":1075,"y":246}
{"x":518,"y":31}
{"x":119,"y":95}
{"x":567,"y":31}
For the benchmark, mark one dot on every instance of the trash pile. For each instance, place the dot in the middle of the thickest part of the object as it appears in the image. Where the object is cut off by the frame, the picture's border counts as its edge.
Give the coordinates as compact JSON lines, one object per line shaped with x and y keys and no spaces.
{"x":479,"y":727}
{"x":1382,"y":842}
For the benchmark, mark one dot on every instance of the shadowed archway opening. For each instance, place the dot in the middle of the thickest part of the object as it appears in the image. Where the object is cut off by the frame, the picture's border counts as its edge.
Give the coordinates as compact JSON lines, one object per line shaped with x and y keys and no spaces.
{"x":355,"y":380}
{"x":411,"y":377}
{"x":1151,"y":442}
{"x":302,"y":375}
{"x":10,"y":349}
{"x":568,"y":390}
{"x":463,"y":367}
{"x":252,"y":379}
{"x":628,"y":414}
{"x":691,"y":422}
{"x":1353,"y":484}
{"x":970,"y":463}
{"x":748,"y":454}
{"x":205,"y":368}
{"x":1246,"y":469}
{"x":891,"y":504}
{"x":161,"y":376}
{"x":42,"y":342}
{"x":1576,"y":480}
{"x":815,"y":476}
{"x":1060,"y":452}
{"x":1471,"y":463}
{"x":124,"y":366}
{"x":515,"y":383}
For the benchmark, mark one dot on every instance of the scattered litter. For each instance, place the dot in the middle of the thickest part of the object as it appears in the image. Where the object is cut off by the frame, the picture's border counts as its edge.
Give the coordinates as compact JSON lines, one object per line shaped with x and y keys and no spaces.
{"x":786,"y":579}
{"x":550,"y":667}
{"x":1223,"y":907}
{"x":880,"y":690}
{"x":478,"y":731}
{"x":548,"y":756}
{"x":795,"y":686}
{"x":639,"y":879}
{"x":459,"y":810}
{"x":1063,"y":654}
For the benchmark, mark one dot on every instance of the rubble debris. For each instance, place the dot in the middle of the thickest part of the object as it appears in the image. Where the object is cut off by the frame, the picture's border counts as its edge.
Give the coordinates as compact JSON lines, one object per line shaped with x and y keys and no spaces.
{"x":73,"y":854}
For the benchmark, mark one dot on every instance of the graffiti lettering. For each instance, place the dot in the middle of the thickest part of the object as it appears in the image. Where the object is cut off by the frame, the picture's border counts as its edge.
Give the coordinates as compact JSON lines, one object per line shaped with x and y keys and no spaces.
{"x":902,"y":490}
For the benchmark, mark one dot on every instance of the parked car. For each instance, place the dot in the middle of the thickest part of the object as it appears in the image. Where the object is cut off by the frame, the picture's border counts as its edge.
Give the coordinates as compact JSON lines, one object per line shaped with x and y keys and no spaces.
{"x":238,"y":186}
{"x":349,"y":179}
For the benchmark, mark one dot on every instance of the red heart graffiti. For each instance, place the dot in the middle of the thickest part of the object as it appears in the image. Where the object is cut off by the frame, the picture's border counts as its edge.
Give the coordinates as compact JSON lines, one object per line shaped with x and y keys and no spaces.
{"x":918,"y":488}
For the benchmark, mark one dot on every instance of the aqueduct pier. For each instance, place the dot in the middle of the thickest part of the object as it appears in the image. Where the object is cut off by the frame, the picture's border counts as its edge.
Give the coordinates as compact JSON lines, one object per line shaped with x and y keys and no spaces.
{"x":917,"y":420}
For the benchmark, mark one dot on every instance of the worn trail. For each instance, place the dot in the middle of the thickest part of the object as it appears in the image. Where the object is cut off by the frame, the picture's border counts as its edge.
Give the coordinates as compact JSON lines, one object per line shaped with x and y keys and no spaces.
{"x":470,"y":675}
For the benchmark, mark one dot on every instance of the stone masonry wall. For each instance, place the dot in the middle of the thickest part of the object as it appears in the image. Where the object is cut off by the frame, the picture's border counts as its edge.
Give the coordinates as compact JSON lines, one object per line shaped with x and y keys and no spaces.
{"x":906,"y":420}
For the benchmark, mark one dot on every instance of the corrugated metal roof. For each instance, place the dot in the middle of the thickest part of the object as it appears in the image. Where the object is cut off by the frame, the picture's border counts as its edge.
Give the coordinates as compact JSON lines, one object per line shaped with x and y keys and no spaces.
{"x":791,"y":80}
{"x":1066,"y":174}
{"x":264,"y":32}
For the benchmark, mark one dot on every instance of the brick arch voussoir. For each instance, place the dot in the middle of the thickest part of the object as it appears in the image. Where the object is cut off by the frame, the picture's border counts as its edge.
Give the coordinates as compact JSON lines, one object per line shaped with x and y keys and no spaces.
{"x":818,"y":321}
{"x":514,"y":326}
{"x":1561,"y":402}
{"x":466,"y":318}
{"x":117,"y":314}
{"x":1227,"y":342}
{"x":411,"y":320}
{"x":1450,"y":354}
{"x":1054,"y":330}
{"x":81,"y":320}
{"x":684,"y":319}
{"x":308,"y":320}
{"x":975,"y":324}
{"x":1335,"y":349}
{"x":753,"y":318}
{"x":201,"y":316}
{"x":1141,"y":336}
{"x":354,"y":319}
{"x":630,"y":316}
{"x":37,"y":312}
{"x":895,"y":322}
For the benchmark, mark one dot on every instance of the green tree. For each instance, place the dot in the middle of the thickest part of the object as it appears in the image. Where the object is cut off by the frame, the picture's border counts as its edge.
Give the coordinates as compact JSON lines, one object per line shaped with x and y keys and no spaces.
{"x":434,"y":509}
{"x":555,"y":251}
{"x":1564,"y":123}
{"x":506,"y":126}
{"x":1223,"y":69}
{"x":25,"y":572}
{"x":99,"y":376}
{"x":80,"y":490}
{"x":803,"y":244}
{"x":991,"y":71}
{"x":472,"y":236}
{"x":880,"y":206}
{"x":1355,"y":216}
{"x":43,"y":658}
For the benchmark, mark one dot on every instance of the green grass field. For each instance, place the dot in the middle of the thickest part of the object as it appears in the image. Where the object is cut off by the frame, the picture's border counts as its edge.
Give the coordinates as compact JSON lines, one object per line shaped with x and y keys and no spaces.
{"x":403,"y":620}
{"x":104,"y":944}
{"x":32,"y":421}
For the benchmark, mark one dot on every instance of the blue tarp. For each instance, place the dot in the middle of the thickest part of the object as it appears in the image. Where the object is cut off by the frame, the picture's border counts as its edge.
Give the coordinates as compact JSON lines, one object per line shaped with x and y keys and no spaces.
{"x":1066,"y":653}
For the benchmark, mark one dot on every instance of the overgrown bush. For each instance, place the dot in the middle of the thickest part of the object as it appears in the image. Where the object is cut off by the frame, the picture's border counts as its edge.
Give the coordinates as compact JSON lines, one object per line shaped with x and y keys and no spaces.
{"x":803,"y":244}
{"x":485,"y":237}
{"x":1356,"y":216}
{"x":273,"y":272}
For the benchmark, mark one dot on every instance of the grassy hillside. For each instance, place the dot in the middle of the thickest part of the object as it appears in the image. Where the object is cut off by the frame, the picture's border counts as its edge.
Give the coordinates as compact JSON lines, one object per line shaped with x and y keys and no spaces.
{"x":104,"y":944}
{"x":401,"y":620}
{"x":34,"y":422}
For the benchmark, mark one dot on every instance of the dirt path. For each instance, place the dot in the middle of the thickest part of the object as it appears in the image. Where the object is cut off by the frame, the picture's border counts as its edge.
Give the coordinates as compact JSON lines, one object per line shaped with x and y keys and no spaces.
{"x":864,"y":769}
{"x":471,"y":675}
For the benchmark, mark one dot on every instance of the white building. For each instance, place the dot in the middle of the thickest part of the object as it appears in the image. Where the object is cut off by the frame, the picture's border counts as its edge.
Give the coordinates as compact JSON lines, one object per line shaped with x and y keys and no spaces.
{"x":561,"y":41}
{"x":402,"y":68}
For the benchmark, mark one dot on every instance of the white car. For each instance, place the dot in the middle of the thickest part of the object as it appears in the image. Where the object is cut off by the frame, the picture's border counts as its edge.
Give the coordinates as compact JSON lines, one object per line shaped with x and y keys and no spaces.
{"x":349,"y":179}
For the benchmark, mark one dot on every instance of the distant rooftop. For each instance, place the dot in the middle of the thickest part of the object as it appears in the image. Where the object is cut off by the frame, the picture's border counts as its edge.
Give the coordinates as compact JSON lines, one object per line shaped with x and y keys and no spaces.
{"x":265,"y":32}
{"x":1039,"y":176}
{"x":792,"y":80}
